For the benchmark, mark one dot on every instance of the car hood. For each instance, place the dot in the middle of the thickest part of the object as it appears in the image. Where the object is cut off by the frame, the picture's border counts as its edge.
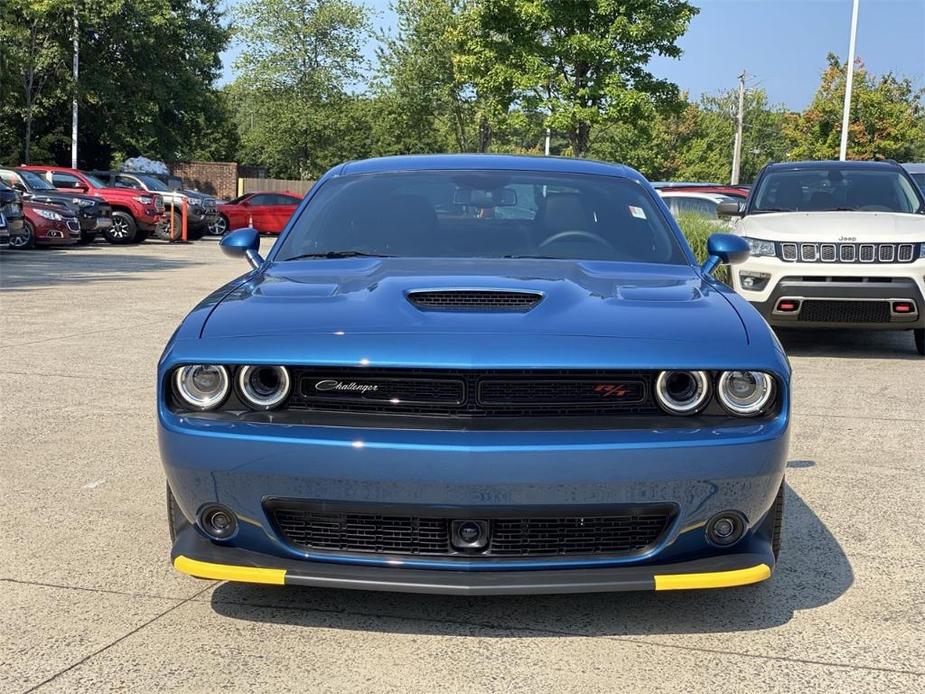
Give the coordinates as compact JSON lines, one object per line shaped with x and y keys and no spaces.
{"x":872,"y":227}
{"x":369,"y":296}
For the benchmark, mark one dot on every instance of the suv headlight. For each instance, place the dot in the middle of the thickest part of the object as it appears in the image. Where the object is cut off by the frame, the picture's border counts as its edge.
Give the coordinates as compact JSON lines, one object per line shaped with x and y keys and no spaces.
{"x":761,"y":248}
{"x":48,"y":214}
{"x":202,"y":386}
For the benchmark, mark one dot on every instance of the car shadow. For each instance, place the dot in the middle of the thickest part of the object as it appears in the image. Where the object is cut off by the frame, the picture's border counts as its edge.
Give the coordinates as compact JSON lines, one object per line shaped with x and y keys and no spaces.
{"x":848,"y":344}
{"x":813,"y":571}
{"x":79,"y":265}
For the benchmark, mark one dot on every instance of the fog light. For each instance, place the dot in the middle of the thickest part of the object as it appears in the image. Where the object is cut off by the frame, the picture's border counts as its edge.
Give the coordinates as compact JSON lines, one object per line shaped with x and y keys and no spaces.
{"x":726,"y":528}
{"x":218,"y":522}
{"x":753,"y":281}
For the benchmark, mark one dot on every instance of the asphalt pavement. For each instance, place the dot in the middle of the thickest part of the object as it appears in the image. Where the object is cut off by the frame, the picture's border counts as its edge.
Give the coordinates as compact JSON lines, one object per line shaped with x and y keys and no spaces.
{"x":89,"y":601}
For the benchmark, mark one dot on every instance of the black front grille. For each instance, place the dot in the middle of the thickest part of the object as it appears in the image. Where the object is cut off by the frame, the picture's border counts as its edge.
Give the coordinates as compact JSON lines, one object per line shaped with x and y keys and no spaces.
{"x":462,"y":393}
{"x":474,"y":300}
{"x":828,"y":311}
{"x":621,"y":531}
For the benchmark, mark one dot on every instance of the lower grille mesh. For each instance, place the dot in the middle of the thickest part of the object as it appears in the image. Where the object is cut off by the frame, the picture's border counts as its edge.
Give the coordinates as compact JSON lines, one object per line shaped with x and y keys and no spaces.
{"x":307,"y":529}
{"x":823,"y":311}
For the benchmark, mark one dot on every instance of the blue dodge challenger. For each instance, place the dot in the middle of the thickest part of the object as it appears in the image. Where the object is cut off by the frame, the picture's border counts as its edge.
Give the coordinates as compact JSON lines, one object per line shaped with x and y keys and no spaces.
{"x":476,"y":375}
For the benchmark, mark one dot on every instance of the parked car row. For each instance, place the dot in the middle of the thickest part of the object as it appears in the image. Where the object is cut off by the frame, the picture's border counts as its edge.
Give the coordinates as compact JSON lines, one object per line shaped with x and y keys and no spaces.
{"x":834,"y":244}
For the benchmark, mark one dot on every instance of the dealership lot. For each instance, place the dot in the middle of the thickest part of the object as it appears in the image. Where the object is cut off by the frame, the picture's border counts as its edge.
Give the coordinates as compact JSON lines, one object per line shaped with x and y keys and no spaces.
{"x":89,"y":599}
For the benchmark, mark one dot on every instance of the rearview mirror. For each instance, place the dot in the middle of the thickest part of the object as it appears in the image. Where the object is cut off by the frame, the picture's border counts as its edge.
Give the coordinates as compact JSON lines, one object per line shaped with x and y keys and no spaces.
{"x":473,"y":197}
{"x":725,"y":249}
{"x":730,"y":209}
{"x":243,"y":243}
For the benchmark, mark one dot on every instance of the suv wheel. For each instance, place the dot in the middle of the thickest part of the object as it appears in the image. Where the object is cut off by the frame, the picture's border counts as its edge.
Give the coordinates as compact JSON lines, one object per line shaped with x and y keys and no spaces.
{"x":162,"y":230}
{"x":920,"y":340}
{"x":123,"y":229}
{"x":24,"y":240}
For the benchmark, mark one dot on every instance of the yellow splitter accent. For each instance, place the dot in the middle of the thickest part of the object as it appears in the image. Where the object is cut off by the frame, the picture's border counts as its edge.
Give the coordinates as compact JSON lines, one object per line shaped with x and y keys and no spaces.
{"x":250,"y":574}
{"x":227,"y":572}
{"x":714,"y":579}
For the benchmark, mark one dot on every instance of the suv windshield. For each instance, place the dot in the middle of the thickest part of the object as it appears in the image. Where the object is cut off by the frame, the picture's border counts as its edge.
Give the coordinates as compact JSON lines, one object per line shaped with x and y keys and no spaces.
{"x":835,"y":189}
{"x":152,"y":183}
{"x":483,"y":214}
{"x":34,"y":181}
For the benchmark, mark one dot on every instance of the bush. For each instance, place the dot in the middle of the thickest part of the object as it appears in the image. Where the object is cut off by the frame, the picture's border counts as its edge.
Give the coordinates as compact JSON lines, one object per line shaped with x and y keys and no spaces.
{"x":697,"y":230}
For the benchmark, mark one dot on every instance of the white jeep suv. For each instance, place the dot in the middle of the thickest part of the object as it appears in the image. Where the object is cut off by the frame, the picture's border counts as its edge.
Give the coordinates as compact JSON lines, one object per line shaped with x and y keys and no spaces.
{"x":834,"y":244}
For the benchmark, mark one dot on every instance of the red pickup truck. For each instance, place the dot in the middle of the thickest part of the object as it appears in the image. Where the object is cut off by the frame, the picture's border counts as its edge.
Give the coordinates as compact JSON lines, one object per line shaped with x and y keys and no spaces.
{"x":135,"y":214}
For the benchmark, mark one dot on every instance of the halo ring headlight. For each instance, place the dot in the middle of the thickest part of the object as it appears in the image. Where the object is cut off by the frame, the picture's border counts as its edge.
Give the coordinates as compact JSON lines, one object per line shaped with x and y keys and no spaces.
{"x":682,"y":392}
{"x":745,"y":393}
{"x":202,"y":386}
{"x":263,"y":387}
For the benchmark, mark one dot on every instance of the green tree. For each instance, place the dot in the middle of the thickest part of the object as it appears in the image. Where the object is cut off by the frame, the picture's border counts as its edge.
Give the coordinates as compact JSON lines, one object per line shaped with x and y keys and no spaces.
{"x":580,"y":62}
{"x":887,"y":118}
{"x":291,"y":97}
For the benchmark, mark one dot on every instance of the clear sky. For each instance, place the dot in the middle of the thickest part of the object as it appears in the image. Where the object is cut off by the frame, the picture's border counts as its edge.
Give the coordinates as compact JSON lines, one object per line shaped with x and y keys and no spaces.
{"x":782,"y":44}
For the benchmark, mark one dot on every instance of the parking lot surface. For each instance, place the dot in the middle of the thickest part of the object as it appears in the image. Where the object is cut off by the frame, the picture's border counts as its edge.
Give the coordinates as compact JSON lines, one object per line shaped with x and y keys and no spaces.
{"x":89,"y":601}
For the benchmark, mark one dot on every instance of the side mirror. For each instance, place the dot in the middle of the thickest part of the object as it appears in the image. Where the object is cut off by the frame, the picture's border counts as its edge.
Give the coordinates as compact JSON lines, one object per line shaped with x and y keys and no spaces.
{"x":730,"y":209}
{"x":243,"y":243}
{"x":725,"y":249}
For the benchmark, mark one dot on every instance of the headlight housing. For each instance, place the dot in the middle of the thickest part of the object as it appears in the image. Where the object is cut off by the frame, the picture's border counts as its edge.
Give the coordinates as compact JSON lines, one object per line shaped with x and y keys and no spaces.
{"x":682,"y":392}
{"x":745,"y":393}
{"x":202,"y":386}
{"x":48,"y":214}
{"x":145,"y":199}
{"x":263,"y":387}
{"x":761,"y":248}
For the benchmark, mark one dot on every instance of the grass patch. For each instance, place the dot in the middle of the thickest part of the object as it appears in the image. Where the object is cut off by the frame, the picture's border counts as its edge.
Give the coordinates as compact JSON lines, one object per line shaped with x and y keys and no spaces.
{"x":697,"y":230}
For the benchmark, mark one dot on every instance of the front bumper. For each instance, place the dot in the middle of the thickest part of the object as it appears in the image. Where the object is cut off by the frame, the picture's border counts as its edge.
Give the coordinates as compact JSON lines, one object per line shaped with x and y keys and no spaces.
{"x":194,"y":555}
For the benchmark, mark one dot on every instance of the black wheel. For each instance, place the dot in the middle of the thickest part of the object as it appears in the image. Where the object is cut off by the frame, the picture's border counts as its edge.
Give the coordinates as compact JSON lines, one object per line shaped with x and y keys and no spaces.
{"x":920,"y":340}
{"x":778,"y":510}
{"x":24,"y":240}
{"x":87,"y":237}
{"x":162,"y":230}
{"x":123,"y":229}
{"x":220,"y":227}
{"x":176,"y":521}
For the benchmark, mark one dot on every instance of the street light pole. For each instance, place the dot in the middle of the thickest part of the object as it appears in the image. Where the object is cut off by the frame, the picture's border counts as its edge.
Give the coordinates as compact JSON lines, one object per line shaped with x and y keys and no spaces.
{"x":740,"y":123}
{"x":74,"y":102}
{"x":849,"y":82}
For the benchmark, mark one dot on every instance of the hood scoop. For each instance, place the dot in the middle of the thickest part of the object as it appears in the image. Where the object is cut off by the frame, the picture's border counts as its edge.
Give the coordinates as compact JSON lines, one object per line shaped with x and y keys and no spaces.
{"x":489,"y":300}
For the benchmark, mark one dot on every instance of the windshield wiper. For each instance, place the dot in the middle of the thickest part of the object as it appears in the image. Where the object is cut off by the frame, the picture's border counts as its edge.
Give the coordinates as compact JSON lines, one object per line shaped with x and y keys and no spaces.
{"x":533,"y":257}
{"x":771,"y":209}
{"x":340,"y":254}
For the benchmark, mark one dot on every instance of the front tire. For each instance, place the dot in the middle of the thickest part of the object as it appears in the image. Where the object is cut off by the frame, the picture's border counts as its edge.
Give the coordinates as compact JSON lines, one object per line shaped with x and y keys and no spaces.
{"x":920,"y":340}
{"x":162,"y":230}
{"x":220,"y":227}
{"x":123,"y":229}
{"x":26,"y":239}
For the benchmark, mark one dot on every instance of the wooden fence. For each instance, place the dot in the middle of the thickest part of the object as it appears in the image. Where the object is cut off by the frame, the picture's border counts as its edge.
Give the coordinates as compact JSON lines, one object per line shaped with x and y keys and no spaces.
{"x":278,"y":185}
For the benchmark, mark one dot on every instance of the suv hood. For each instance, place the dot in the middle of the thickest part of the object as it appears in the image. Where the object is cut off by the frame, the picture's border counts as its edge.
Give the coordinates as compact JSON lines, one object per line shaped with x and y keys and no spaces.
{"x":873,"y":227}
{"x":369,"y":295}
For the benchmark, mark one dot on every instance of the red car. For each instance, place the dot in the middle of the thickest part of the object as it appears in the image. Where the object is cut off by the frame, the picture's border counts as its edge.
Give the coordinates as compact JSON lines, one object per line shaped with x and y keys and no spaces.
{"x":46,"y":225}
{"x":265,"y":212}
{"x":135,"y":213}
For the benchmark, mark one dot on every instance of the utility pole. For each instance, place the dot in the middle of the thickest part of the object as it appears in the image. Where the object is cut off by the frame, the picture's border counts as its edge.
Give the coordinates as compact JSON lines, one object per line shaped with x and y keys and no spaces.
{"x":849,"y":82}
{"x":547,"y":141}
{"x":74,"y":102}
{"x":740,"y":123}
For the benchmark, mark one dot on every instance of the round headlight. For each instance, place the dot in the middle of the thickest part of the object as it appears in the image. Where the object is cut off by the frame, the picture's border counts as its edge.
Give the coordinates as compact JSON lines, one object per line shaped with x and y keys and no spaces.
{"x":202,"y":386}
{"x":682,"y":392}
{"x":263,"y":387}
{"x":745,"y":393}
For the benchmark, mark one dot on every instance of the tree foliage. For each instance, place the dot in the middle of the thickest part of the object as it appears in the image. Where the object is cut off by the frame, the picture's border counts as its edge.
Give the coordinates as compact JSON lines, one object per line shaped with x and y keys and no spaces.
{"x":887,"y":117}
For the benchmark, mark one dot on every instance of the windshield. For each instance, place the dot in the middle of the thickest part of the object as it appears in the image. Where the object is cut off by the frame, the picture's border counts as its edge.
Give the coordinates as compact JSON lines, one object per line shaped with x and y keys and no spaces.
{"x":919,"y":178}
{"x":152,"y":183}
{"x":95,"y":182}
{"x":484,"y":214}
{"x":835,"y":188}
{"x":34,"y":181}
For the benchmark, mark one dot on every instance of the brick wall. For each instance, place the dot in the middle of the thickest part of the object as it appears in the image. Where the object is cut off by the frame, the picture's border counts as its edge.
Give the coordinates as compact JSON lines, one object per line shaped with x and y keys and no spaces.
{"x":219,"y":178}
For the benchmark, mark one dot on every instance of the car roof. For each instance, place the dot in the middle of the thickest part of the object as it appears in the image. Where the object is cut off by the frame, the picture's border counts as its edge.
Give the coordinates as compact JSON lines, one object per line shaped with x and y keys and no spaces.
{"x":828,"y":164}
{"x":493,"y":162}
{"x":713,"y":197}
{"x":914,"y":167}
